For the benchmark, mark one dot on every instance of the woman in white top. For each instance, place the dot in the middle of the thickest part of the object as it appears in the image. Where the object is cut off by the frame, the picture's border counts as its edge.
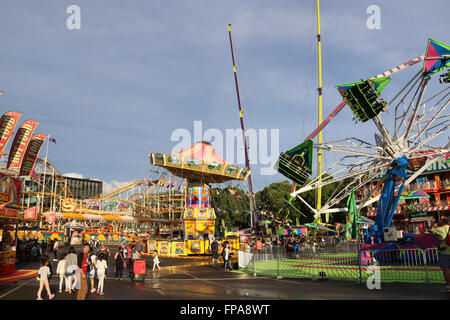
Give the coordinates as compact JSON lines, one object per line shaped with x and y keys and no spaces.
{"x":61,"y":271}
{"x":101,"y":266}
{"x":156,"y":261}
{"x":91,"y":274}
{"x":227,"y":258}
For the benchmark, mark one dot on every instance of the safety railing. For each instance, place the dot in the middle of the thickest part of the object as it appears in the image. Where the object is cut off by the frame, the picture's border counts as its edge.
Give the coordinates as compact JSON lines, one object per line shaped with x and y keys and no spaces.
{"x":399,"y":265}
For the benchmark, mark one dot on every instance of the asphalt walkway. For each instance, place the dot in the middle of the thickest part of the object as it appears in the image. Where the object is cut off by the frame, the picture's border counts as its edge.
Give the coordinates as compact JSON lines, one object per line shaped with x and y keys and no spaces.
{"x":198,"y":279}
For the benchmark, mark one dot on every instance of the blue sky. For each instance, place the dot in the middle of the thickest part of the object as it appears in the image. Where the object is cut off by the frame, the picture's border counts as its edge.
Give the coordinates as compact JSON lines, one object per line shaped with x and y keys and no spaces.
{"x":115,"y":90}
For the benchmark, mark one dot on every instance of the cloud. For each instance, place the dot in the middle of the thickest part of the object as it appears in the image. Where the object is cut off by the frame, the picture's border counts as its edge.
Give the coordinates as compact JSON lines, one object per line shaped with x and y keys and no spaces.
{"x":109,"y":187}
{"x":73,"y":175}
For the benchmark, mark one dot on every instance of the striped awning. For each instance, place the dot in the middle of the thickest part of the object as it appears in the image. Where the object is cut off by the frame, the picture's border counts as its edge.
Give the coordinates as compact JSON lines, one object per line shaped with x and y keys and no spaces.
{"x":438,"y":208}
{"x":87,"y":216}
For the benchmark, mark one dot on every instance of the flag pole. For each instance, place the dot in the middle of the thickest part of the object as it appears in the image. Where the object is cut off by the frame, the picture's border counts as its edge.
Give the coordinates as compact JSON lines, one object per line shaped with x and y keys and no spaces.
{"x":43,"y":181}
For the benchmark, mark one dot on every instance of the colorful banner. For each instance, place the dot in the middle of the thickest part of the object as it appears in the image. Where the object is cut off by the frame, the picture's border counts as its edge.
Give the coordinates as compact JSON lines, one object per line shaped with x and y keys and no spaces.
{"x":189,"y":229}
{"x":178,"y":248}
{"x":30,"y":214}
{"x":29,"y":160}
{"x":50,"y":218}
{"x":7,"y":123}
{"x":20,"y":143}
{"x":163,"y":247}
{"x":10,"y":190}
{"x":195,"y":247}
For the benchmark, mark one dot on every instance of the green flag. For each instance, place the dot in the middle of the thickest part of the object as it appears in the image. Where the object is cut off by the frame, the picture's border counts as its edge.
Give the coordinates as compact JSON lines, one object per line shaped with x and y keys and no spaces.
{"x":350,"y":227}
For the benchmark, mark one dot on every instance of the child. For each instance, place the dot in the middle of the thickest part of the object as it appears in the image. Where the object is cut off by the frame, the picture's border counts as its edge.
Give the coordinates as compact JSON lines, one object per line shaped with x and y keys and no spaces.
{"x":62,"y":272}
{"x":101,"y":270}
{"x":43,"y":273}
{"x":91,"y":274}
{"x":156,"y":261}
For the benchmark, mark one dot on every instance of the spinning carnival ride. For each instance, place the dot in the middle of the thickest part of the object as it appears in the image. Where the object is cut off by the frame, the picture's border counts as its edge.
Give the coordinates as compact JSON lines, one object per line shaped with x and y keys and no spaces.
{"x":403,"y":148}
{"x":200,"y":165}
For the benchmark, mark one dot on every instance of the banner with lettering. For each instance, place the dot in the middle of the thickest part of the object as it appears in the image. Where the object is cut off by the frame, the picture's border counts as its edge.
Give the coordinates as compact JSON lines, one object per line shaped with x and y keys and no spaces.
{"x":29,"y":160}
{"x":20,"y":143}
{"x":7,"y":123}
{"x":30,"y":213}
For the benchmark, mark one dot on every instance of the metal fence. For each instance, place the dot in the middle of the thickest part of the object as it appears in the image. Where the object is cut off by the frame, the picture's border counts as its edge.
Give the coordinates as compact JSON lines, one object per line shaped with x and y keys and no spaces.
{"x":344,"y":263}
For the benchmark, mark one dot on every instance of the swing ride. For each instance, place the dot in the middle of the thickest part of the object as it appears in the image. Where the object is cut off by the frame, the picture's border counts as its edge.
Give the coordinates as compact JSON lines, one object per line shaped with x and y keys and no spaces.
{"x":199,"y":165}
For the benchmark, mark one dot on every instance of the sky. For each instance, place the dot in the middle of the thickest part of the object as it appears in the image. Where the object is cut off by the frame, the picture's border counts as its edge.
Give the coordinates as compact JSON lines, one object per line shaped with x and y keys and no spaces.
{"x":119,"y":87}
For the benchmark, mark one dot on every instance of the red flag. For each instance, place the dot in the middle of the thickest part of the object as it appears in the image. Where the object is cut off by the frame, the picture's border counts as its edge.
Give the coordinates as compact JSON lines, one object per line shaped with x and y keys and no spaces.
{"x":29,"y":160}
{"x":34,"y":174}
{"x":20,"y":143}
{"x":7,"y":124}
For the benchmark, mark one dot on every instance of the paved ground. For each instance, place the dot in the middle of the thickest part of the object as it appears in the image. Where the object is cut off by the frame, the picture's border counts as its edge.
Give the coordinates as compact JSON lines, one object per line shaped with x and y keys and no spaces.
{"x":197,"y":279}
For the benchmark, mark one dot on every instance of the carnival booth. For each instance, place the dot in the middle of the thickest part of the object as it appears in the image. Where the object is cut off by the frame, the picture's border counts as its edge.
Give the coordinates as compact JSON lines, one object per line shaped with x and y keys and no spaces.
{"x":9,"y":219}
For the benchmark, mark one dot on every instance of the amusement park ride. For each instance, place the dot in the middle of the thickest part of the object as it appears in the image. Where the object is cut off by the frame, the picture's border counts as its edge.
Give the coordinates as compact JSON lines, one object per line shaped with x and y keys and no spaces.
{"x":200,"y":165}
{"x":400,"y":155}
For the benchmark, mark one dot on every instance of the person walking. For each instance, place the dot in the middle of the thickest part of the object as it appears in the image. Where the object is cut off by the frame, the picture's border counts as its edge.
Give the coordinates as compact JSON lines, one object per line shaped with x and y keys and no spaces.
{"x":131,"y":250}
{"x":105,"y":251}
{"x":91,"y":274}
{"x":49,"y":253}
{"x":442,"y":231}
{"x":55,"y":250}
{"x":84,"y":264}
{"x":156,"y":261}
{"x":34,"y":251}
{"x":97,"y":247}
{"x":44,"y":273}
{"x":71,"y":267}
{"x":120,"y":262}
{"x":101,"y":266}
{"x":226,"y":258}
{"x":215,"y":251}
{"x":61,"y":271}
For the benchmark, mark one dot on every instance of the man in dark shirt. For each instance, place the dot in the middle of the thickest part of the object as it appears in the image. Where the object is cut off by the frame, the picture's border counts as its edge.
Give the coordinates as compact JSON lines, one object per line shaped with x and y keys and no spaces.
{"x":85,"y":265}
{"x":215,"y":251}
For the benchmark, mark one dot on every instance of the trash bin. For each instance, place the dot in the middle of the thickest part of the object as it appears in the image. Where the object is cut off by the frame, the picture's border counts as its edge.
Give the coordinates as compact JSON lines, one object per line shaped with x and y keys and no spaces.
{"x":139,"y":270}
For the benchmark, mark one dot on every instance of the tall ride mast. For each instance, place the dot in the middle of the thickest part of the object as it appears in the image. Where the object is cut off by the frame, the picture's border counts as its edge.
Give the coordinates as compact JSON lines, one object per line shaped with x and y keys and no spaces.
{"x":241,"y":116}
{"x":319,"y":89}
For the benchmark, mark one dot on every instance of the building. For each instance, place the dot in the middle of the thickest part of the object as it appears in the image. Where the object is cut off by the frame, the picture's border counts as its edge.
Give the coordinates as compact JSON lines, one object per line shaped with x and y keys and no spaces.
{"x":76,"y":188}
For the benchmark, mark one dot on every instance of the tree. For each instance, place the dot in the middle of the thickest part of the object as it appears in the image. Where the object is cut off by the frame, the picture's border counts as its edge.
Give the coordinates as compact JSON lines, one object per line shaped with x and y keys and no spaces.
{"x":232,"y":205}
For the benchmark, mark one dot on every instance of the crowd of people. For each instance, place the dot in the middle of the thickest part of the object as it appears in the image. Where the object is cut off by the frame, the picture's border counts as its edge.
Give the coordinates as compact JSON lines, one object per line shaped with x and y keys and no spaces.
{"x":85,"y":271}
{"x":225,"y":253}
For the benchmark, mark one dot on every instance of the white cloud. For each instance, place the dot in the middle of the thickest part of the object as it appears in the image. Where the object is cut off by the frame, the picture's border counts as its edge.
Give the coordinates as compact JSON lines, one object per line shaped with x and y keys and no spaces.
{"x":73,"y":175}
{"x":109,"y":187}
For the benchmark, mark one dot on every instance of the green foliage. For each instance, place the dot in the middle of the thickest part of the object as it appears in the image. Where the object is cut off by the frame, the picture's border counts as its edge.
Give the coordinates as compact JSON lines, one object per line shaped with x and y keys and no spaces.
{"x":272,"y":198}
{"x":233,"y":209}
